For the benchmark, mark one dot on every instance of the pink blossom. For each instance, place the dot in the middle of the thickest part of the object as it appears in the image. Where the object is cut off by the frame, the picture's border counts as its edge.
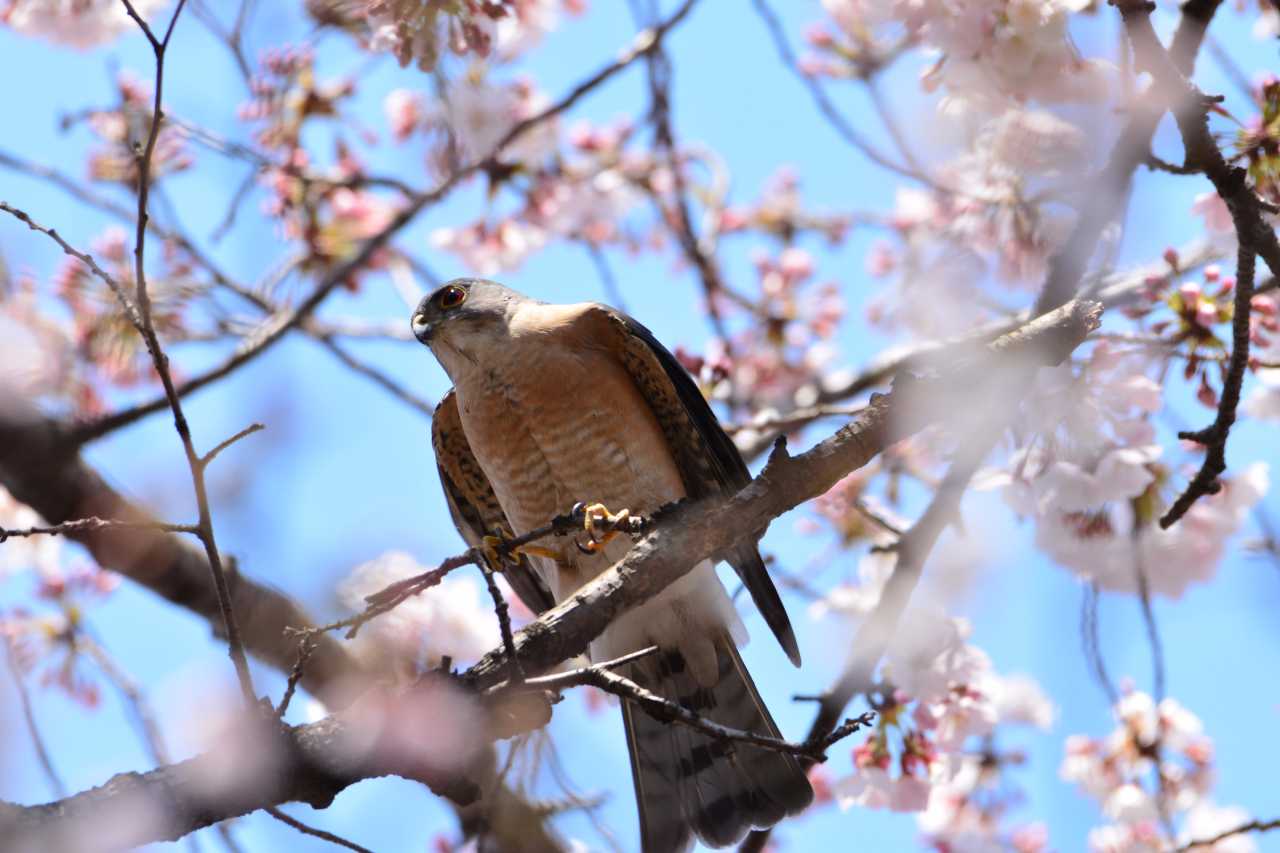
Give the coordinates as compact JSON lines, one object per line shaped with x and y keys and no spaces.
{"x":1217,"y":217}
{"x":490,"y":250}
{"x":404,"y":110}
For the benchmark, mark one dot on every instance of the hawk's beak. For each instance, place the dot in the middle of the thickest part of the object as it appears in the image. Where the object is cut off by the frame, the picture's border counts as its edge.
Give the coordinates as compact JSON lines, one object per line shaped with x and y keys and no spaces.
{"x":422,"y":328}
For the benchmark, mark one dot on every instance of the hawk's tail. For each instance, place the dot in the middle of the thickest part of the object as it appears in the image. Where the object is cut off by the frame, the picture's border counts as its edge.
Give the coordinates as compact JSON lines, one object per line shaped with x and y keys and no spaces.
{"x":688,"y":784}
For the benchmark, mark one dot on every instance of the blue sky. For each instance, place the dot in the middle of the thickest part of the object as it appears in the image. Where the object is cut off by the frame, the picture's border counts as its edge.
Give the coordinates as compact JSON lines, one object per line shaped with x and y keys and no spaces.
{"x":344,"y":473}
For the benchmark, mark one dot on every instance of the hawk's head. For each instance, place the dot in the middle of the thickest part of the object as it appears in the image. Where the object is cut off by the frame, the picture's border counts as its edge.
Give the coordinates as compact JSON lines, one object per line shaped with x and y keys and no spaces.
{"x":463,"y":318}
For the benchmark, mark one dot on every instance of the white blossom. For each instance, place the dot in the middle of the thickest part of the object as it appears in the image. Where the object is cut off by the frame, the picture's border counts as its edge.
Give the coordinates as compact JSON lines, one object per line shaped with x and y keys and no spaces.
{"x":81,"y":24}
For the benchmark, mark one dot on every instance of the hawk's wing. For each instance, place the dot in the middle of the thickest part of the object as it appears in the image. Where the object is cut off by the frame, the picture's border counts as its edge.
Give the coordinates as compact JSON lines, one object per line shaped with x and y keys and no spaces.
{"x":472,"y":503}
{"x":708,"y":460}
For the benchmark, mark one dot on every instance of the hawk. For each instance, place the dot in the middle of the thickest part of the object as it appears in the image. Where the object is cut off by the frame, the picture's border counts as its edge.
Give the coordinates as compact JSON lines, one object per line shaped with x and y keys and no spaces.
{"x":556,"y":404}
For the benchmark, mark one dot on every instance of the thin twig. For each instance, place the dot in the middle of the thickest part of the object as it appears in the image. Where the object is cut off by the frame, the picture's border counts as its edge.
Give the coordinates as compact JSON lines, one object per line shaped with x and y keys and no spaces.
{"x":1251,"y":826}
{"x":1214,"y":437}
{"x":382,"y":380}
{"x":659,"y":66}
{"x":391,"y":596}
{"x":235,"y":644}
{"x":306,"y":829}
{"x":1090,"y":642}
{"x":306,"y":646}
{"x":775,"y":422}
{"x":666,"y":711}
{"x":249,"y":430}
{"x":825,"y":105}
{"x":131,"y":311}
{"x":33,"y":727}
{"x":1149,"y":618}
{"x":504,"y":619}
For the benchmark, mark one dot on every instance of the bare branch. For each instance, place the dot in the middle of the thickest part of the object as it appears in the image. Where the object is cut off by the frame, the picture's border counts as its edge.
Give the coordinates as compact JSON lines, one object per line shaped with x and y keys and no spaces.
{"x":1251,"y":826}
{"x":29,"y":720}
{"x":305,"y":829}
{"x":235,"y":645}
{"x":1191,"y":111}
{"x":87,"y":525}
{"x":663,"y":710}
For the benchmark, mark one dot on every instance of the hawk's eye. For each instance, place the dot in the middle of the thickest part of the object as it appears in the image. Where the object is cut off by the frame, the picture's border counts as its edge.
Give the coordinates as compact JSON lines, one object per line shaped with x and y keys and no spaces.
{"x":451,"y":297}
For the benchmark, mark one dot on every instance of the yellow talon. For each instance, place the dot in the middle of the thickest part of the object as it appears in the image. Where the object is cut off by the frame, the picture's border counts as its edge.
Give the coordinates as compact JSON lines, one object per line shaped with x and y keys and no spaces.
{"x":598,"y":514}
{"x":495,"y":548}
{"x":491,"y":549}
{"x":538,"y":551}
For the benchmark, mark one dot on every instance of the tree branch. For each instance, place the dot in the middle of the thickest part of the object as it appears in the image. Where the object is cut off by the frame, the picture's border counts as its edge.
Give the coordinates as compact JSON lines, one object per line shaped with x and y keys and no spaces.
{"x":42,"y":471}
{"x":1190,"y":109}
{"x":688,"y":533}
{"x":1251,"y":826}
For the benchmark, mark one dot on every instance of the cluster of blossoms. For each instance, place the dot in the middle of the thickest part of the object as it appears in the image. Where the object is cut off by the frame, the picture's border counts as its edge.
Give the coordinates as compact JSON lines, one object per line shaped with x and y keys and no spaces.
{"x":71,"y":357}
{"x":1164,"y":741}
{"x":776,"y":360}
{"x":1258,"y":142}
{"x":49,"y":640}
{"x":989,"y":55}
{"x":780,"y":213}
{"x":996,"y":207}
{"x":986,"y":211}
{"x":331,"y":212}
{"x":123,"y":131}
{"x":1092,"y":481}
{"x":286,"y":93}
{"x":933,"y":750}
{"x":1264,"y":402}
{"x":76,"y":23}
{"x":579,"y":189}
{"x":791,"y":343}
{"x":414,"y":30}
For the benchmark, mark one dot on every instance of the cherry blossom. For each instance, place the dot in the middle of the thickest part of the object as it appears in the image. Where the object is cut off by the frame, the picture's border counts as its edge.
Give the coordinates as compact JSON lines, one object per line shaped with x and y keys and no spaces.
{"x":124,"y":129}
{"x":80,"y":24}
{"x":415,"y":31}
{"x":1165,"y":738}
{"x":452,"y":619}
{"x":42,"y":554}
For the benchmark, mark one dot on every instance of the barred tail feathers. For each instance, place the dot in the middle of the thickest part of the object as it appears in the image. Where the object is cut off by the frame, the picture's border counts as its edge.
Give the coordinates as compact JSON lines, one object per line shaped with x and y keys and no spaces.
{"x":688,"y":784}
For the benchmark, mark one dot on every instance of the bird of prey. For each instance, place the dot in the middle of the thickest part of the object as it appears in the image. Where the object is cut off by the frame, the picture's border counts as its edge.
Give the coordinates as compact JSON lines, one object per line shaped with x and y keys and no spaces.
{"x":557,"y":404}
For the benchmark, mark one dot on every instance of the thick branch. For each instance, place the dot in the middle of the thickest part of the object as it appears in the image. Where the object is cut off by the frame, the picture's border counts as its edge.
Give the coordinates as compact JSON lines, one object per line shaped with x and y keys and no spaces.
{"x":257,"y":764}
{"x":688,"y":534}
{"x":43,"y":473}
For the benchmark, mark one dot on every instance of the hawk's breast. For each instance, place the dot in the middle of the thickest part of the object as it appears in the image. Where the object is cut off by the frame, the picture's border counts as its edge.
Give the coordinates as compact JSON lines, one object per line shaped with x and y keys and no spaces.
{"x":552,"y":425}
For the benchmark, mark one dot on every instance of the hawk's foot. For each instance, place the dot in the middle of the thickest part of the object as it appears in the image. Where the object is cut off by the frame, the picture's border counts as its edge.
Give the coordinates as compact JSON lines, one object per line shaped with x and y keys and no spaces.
{"x":601,"y":526}
{"x":494,"y":548}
